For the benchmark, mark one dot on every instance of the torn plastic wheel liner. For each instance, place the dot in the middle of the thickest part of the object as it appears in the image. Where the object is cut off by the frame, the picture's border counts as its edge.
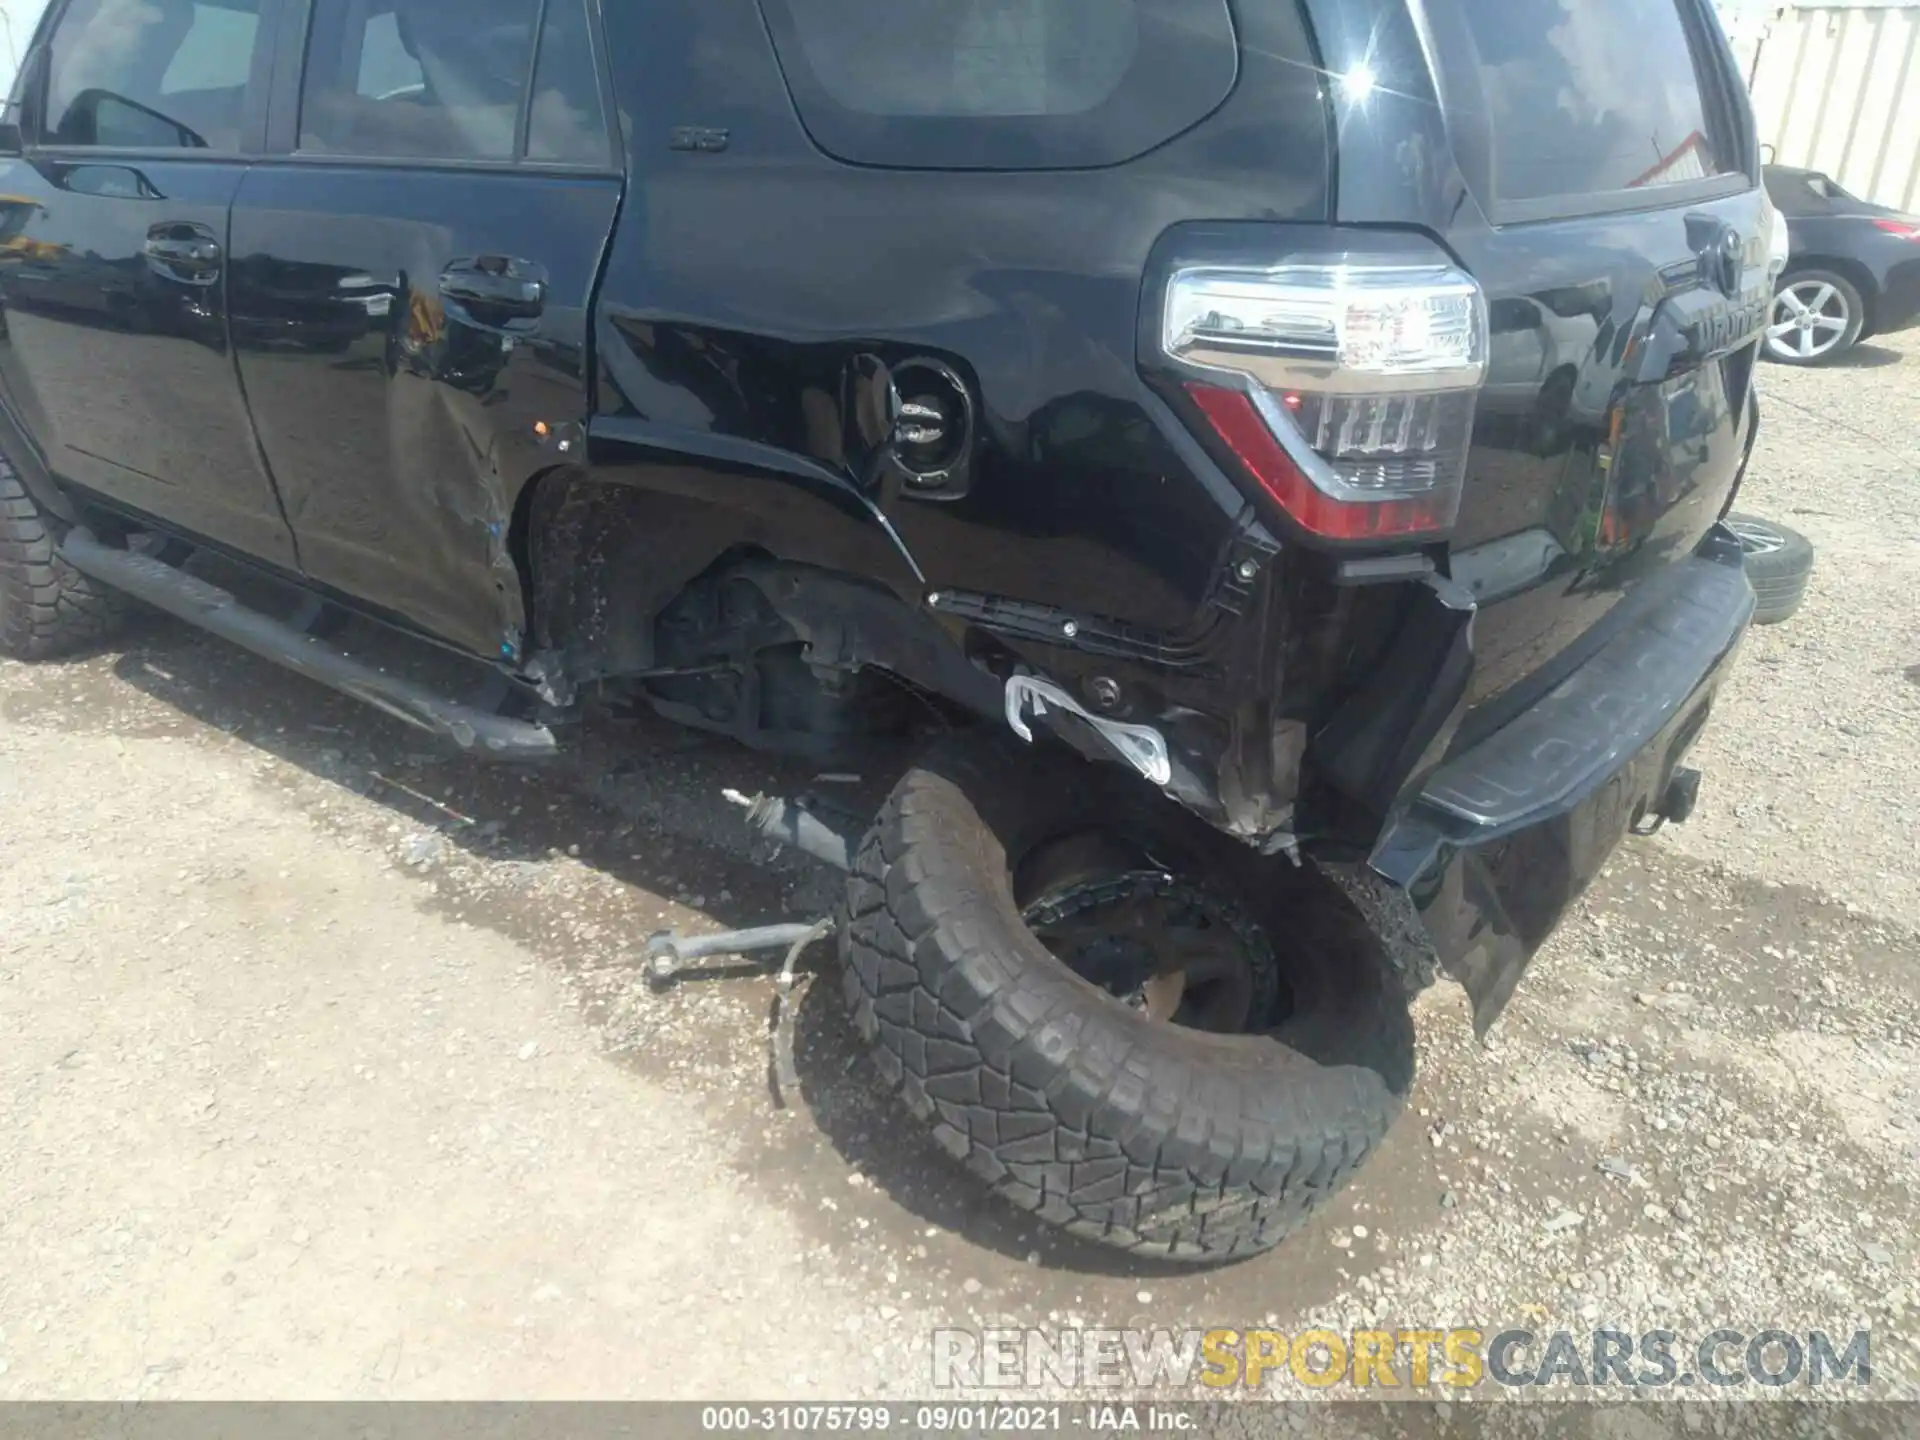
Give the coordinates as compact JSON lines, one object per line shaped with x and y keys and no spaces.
{"x":1141,"y":746}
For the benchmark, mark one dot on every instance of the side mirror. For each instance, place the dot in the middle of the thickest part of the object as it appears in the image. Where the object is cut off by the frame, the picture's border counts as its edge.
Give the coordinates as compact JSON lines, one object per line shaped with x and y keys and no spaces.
{"x":13,"y":140}
{"x":16,"y":129}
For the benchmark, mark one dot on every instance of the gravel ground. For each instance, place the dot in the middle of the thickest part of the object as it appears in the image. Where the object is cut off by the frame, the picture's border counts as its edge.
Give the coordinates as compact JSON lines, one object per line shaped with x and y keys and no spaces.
{"x":328,"y":1072}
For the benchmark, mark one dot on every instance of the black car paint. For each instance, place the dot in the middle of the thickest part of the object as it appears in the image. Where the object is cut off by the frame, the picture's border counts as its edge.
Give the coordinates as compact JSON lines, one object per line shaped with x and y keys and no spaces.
{"x":1631,"y":275}
{"x":744,"y":288}
{"x":1501,"y":840}
{"x":118,"y":361}
{"x":705,"y":380}
{"x":398,"y":417}
{"x":1832,"y":230}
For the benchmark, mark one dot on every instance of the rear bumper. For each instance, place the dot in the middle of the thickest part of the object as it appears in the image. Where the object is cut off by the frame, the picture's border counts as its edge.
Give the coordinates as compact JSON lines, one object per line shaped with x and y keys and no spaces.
{"x":1498,"y":842}
{"x":1898,"y":307}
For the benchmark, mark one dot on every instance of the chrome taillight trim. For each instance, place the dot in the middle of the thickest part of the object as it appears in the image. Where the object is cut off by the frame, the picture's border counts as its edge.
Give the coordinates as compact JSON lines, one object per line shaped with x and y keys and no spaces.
{"x":1288,"y":326}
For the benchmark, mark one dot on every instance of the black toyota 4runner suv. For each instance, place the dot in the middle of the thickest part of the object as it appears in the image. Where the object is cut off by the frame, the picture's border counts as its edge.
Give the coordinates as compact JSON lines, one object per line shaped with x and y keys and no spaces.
{"x":1283,"y":442}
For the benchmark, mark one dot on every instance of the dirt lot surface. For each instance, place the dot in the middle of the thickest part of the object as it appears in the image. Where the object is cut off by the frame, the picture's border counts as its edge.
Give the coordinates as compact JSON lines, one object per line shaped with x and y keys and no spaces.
{"x":325,"y":1069}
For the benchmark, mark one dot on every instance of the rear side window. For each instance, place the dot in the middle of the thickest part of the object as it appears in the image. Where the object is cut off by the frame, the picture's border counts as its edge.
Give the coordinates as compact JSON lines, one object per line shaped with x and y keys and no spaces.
{"x":1555,"y":100}
{"x":151,"y":74}
{"x":568,"y":122}
{"x":1002,"y":84}
{"x":447,"y":80}
{"x":440,"y":79}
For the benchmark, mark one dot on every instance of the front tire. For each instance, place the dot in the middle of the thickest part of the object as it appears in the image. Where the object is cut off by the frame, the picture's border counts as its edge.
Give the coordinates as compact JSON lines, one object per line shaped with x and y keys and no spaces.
{"x":1085,"y":1108}
{"x":47,"y":608}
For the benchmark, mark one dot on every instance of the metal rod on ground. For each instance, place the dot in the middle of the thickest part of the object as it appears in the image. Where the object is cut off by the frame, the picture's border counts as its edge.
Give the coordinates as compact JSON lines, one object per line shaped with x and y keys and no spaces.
{"x":668,"y":953}
{"x":786,"y":1074}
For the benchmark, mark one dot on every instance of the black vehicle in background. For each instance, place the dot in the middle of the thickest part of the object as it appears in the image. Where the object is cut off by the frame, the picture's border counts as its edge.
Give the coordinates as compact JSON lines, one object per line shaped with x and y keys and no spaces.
{"x":1854,"y":271}
{"x":1286,"y":444}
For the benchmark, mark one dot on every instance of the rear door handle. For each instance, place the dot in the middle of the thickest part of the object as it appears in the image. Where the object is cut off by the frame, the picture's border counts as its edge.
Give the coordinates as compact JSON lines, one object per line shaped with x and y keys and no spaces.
{"x":183,"y":252}
{"x":496,"y":289}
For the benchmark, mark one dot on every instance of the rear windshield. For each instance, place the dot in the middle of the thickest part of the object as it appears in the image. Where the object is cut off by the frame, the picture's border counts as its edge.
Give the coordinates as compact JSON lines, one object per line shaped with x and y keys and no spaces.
{"x":1563,"y":100}
{"x":1002,"y":84}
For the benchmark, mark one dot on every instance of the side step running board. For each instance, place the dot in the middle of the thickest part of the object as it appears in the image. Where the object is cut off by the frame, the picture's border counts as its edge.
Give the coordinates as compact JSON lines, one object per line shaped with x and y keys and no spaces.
{"x":497,"y":737}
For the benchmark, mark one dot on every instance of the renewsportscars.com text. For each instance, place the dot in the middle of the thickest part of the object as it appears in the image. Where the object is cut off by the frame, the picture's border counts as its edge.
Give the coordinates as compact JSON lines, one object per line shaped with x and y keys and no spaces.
{"x":1455,"y":1359}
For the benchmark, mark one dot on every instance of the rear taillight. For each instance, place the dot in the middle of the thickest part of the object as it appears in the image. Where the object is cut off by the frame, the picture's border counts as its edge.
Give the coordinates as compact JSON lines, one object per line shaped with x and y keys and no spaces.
{"x":1906,"y":230}
{"x":1346,"y":389}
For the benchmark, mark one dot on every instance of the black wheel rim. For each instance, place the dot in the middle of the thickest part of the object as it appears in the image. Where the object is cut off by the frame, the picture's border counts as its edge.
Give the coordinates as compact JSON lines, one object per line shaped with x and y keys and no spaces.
{"x":1169,"y":948}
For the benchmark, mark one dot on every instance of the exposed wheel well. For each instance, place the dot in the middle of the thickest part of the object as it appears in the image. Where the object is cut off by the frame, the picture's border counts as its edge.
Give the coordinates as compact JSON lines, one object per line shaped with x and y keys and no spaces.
{"x":649,"y":588}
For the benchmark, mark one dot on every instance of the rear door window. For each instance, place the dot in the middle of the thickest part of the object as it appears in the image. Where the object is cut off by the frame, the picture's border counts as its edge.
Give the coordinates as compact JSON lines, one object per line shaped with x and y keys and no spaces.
{"x":1002,"y":84}
{"x":448,"y":80}
{"x":1553,"y":102}
{"x":567,"y":123}
{"x":439,"y":79}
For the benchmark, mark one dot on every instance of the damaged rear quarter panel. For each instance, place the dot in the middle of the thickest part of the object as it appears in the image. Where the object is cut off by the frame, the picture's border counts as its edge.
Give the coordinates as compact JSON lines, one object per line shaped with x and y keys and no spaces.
{"x":747,"y":283}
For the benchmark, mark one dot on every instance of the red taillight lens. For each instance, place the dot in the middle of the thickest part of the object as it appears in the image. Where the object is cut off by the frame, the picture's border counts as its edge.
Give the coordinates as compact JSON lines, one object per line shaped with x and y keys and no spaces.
{"x":1345,"y":389}
{"x":1237,"y":422}
{"x":1902,"y":228}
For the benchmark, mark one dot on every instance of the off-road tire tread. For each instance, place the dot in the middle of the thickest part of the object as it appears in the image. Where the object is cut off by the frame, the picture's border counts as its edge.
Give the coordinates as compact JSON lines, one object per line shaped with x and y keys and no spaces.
{"x":47,"y":608}
{"x":1153,"y":1138}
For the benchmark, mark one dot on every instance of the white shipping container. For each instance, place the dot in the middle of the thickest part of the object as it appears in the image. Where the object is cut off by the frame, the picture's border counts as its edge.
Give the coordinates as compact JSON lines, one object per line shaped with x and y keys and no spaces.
{"x":1836,"y":87}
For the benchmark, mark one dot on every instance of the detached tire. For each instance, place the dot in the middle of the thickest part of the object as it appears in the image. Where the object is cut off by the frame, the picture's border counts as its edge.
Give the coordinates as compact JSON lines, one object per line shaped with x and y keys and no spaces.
{"x":1138,"y":1132}
{"x":47,"y":607}
{"x":1779,"y":565}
